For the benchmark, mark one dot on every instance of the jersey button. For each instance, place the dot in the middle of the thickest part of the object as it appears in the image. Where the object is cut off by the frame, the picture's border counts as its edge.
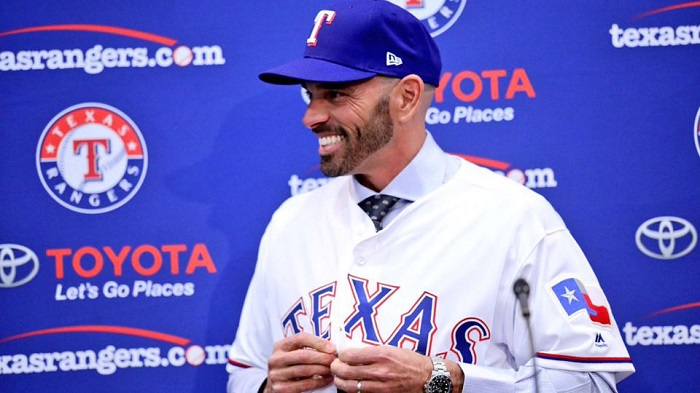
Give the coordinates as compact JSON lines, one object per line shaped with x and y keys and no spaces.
{"x":361,"y":260}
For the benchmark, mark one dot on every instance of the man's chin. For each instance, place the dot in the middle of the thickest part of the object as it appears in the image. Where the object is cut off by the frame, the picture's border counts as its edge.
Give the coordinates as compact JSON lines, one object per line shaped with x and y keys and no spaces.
{"x":331,"y":169}
{"x":331,"y":172}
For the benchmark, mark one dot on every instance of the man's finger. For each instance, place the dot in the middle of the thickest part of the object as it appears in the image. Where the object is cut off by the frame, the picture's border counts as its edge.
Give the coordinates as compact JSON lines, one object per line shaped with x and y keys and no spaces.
{"x":299,"y":372}
{"x":357,"y":356}
{"x":301,"y":385}
{"x":305,"y":340}
{"x":300,"y":357}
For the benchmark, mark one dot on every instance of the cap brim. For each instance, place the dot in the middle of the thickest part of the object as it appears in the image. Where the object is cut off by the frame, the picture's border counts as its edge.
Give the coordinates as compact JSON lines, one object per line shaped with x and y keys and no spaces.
{"x":313,"y":70}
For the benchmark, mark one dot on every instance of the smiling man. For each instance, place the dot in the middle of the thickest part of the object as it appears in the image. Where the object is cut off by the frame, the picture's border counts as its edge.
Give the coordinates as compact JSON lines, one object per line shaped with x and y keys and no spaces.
{"x":355,"y":127}
{"x":397,"y":276}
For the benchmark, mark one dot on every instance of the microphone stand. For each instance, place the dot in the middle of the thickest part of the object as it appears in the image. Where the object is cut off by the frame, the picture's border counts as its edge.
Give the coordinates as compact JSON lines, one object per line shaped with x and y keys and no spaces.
{"x":522,"y":291}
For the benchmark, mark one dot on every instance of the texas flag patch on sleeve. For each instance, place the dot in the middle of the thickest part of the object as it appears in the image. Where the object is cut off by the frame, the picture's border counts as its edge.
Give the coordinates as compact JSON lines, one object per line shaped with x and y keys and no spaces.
{"x":573,"y":297}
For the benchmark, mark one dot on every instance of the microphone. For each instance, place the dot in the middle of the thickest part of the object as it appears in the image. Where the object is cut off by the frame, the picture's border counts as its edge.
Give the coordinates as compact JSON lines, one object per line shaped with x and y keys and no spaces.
{"x":522,"y":292}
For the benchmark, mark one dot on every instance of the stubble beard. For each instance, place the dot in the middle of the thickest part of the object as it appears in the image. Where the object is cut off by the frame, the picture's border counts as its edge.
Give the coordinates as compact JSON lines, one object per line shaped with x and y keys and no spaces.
{"x":360,"y":144}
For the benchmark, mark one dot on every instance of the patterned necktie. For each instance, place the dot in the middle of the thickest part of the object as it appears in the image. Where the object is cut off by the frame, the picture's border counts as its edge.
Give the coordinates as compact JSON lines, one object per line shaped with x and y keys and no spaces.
{"x":377,"y":206}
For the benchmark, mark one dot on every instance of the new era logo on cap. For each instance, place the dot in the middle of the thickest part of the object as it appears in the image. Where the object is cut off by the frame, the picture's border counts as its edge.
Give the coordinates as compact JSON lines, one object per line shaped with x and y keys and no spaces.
{"x":359,"y":39}
{"x":393,"y":60}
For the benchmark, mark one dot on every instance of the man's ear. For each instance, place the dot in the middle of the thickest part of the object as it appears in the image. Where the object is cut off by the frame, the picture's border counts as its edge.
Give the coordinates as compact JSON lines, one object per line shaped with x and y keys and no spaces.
{"x":408,"y":94}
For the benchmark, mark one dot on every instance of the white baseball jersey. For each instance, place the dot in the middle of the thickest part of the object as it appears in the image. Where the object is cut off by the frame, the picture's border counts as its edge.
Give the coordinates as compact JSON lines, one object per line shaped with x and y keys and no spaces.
{"x":438,"y":279}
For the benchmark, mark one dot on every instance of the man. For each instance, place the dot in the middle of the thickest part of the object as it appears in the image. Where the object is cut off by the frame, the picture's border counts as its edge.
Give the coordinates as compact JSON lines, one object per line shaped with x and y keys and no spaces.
{"x":416,"y":293}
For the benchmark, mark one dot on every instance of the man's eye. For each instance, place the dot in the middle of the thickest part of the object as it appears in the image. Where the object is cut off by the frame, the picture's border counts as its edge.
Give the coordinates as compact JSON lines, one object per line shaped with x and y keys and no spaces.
{"x":331,"y":95}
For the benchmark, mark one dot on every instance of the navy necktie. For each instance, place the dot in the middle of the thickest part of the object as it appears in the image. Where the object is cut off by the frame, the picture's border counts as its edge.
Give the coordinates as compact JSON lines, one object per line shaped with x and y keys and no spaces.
{"x":377,"y":206}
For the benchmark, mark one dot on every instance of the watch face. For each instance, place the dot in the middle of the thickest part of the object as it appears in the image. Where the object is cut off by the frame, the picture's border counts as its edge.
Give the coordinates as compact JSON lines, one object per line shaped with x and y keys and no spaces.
{"x":441,"y":384}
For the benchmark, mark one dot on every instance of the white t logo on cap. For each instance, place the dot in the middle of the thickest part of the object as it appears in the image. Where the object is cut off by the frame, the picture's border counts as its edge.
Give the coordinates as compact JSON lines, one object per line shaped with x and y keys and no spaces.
{"x":323,"y":15}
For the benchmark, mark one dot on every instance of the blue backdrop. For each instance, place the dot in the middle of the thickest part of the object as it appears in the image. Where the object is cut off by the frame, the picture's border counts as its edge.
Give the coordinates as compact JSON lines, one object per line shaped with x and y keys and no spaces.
{"x":141,"y":158}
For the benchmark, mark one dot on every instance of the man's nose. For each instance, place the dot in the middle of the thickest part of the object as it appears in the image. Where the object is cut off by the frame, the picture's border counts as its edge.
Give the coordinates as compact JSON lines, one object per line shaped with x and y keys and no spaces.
{"x":316,"y":114}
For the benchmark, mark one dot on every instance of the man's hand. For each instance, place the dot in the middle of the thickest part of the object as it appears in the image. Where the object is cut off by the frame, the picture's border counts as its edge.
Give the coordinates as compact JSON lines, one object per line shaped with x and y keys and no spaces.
{"x":381,"y":369}
{"x":300,"y":363}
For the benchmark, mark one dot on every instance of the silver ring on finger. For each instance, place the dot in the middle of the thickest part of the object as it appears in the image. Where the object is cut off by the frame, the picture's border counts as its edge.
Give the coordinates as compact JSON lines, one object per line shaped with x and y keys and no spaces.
{"x":359,"y":386}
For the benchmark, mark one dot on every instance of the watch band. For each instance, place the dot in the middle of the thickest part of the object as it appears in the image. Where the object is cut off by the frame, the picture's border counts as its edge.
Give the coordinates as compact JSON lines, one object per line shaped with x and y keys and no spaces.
{"x":440,"y":380}
{"x":439,"y":365}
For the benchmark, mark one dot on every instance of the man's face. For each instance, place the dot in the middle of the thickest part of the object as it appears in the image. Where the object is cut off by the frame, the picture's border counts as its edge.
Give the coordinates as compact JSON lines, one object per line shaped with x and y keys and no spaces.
{"x":352,"y":122}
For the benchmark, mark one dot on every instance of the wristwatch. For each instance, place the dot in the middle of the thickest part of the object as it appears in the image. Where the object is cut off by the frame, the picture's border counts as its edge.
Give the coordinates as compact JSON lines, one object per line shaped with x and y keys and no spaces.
{"x":440,"y":381}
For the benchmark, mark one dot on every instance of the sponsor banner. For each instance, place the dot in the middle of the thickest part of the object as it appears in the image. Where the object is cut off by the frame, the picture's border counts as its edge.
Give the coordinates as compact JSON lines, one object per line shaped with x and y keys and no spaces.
{"x":126,"y":250}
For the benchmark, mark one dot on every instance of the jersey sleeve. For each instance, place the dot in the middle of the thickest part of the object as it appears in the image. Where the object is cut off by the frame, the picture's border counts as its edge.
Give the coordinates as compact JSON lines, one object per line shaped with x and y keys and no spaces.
{"x":572,"y":324}
{"x":247,"y":358}
{"x":486,"y":379}
{"x":575,"y":337}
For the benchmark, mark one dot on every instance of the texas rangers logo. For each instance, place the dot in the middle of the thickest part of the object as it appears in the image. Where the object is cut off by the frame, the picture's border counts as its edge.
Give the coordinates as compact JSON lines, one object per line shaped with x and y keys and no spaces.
{"x":574,"y":297}
{"x":91,"y":158}
{"x":437,"y":15}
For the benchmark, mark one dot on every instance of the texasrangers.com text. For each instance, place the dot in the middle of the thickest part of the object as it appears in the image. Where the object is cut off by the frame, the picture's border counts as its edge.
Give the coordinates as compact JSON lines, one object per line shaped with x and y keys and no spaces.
{"x":633,"y":37}
{"x":661,"y":335}
{"x":97,"y":58}
{"x":110,"y":359}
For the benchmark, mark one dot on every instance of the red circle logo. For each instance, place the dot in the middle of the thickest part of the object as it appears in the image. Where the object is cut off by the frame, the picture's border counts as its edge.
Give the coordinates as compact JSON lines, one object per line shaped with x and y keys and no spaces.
{"x":91,"y":158}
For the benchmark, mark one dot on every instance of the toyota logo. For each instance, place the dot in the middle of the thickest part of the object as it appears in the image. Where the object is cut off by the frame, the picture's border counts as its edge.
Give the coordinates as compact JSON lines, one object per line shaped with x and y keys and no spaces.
{"x":666,"y":237}
{"x":18,"y":265}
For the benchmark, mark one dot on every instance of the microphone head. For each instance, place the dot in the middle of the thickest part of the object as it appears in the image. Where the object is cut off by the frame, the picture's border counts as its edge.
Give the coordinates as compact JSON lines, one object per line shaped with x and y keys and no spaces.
{"x":521,"y":287}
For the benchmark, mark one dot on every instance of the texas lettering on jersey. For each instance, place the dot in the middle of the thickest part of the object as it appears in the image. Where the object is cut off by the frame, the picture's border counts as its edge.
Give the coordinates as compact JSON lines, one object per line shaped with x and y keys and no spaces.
{"x":413,"y":330}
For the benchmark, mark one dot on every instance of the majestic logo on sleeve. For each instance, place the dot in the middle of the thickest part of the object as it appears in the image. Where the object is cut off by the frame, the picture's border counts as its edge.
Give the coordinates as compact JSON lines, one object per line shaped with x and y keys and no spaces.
{"x":91,"y":158}
{"x":573,"y":297}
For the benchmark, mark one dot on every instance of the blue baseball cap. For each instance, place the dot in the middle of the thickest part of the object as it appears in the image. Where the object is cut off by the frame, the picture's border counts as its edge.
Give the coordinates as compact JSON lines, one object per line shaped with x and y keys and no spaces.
{"x":357,"y":40}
